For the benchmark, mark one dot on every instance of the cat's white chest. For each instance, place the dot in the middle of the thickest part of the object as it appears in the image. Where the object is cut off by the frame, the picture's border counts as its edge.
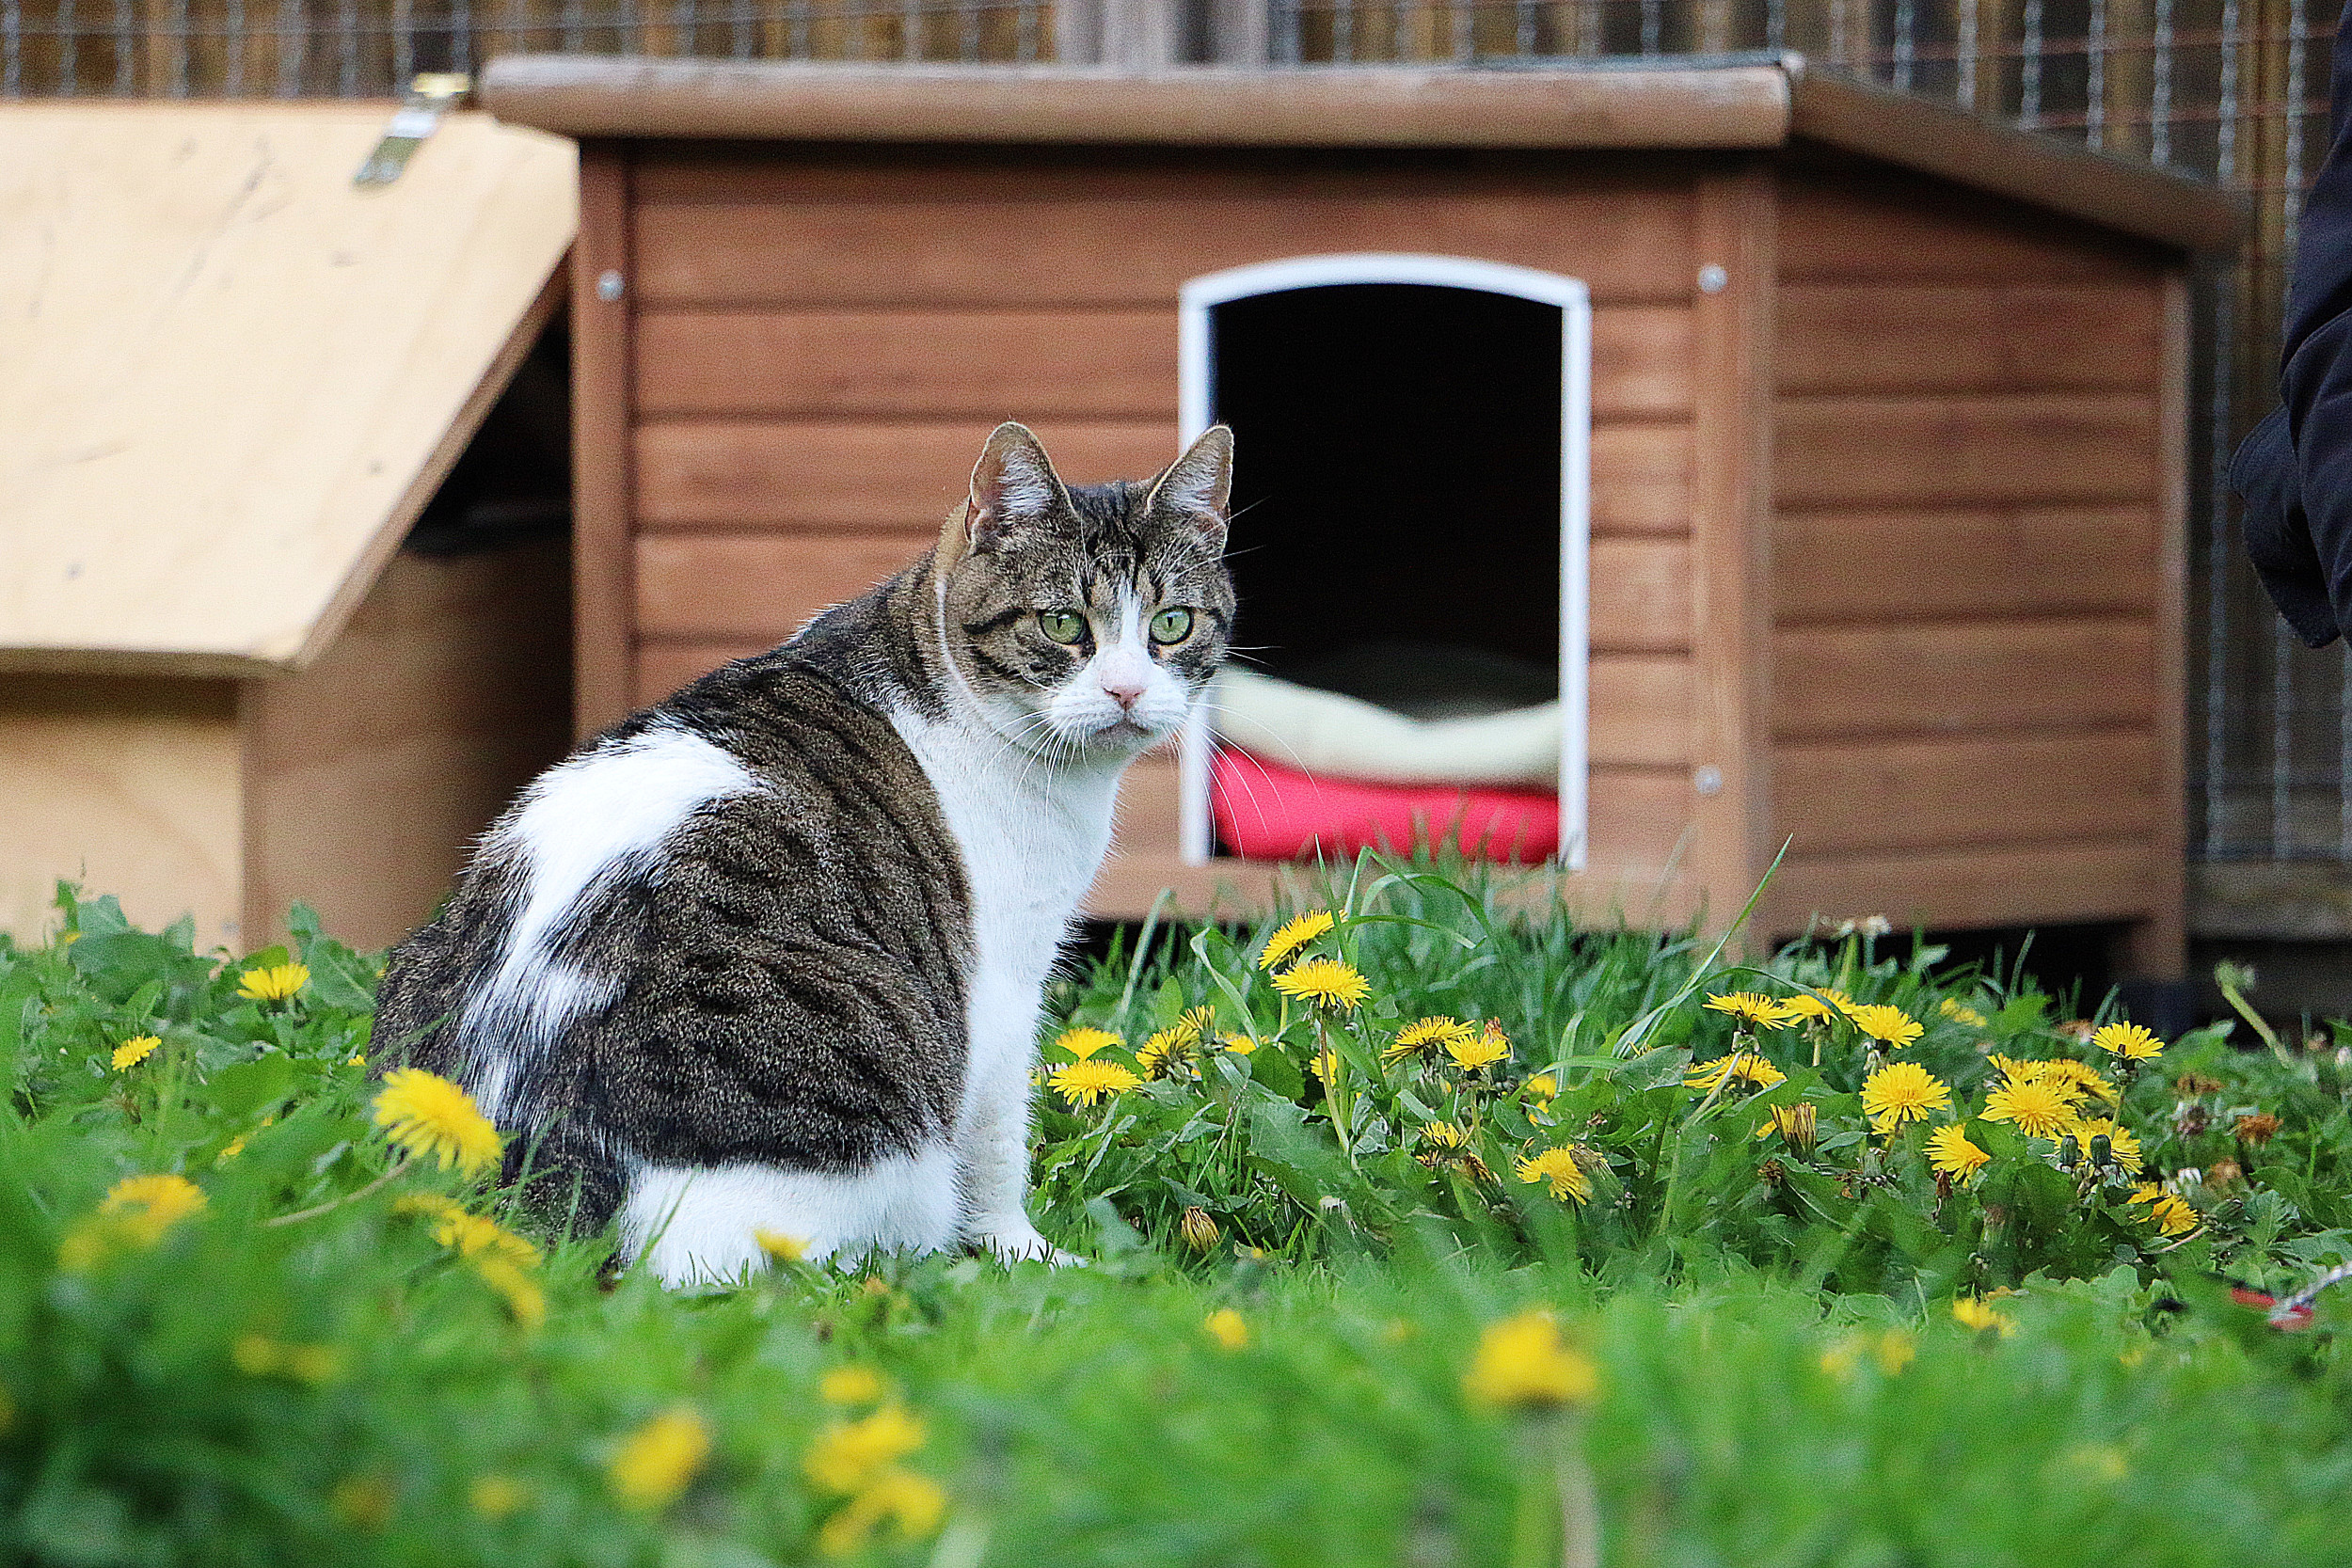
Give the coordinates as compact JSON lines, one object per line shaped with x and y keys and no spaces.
{"x":1032,"y":838}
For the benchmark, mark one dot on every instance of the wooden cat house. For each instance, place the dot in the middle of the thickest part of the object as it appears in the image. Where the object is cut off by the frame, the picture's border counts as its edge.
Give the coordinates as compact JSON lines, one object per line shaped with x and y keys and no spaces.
{"x":1827,"y":443}
{"x":232,"y":380}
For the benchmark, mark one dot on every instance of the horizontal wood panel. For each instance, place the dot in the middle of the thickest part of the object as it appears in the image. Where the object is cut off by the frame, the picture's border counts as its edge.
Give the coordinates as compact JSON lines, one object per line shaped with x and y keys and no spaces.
{"x":988,"y":365}
{"x":765,"y":586}
{"x":1641,"y":595}
{"x":1830,"y":566}
{"x":1638,"y":709}
{"x":761,"y":588}
{"x":1641,"y":479}
{"x":856,"y":475}
{"x":1939,"y":794}
{"x":1133,"y":886}
{"x":1956,"y":889}
{"x":1102,"y":247}
{"x":1966,"y":337}
{"x":1860,"y":452}
{"x":1903,"y":230}
{"x":1967,"y":675}
{"x":1639,"y":704}
{"x":846,"y":474}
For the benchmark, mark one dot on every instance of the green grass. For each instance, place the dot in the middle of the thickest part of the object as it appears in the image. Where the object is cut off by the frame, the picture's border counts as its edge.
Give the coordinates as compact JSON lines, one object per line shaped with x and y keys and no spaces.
{"x":337,"y":1388}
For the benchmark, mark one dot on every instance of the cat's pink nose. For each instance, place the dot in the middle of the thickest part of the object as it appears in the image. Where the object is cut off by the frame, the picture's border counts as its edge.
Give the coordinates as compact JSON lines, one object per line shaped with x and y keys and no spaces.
{"x":1127,"y":694}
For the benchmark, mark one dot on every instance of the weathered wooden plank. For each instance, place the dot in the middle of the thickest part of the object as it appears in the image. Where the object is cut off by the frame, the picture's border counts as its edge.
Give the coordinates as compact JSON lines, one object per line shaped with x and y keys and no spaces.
{"x":759,"y":587}
{"x":1887,"y":337}
{"x":1956,"y":889}
{"x":1951,"y":450}
{"x":836,"y":474}
{"x":1641,"y":595}
{"x":1116,"y":246}
{"x":1092,"y":364}
{"x":1847,"y":566}
{"x":1638,"y":709}
{"x":1857,"y":228}
{"x":1938,"y":678}
{"x":1851,"y":795}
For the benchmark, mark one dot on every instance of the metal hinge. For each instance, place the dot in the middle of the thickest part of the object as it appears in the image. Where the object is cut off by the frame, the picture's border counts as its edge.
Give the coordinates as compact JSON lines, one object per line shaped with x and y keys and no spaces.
{"x":430,"y":96}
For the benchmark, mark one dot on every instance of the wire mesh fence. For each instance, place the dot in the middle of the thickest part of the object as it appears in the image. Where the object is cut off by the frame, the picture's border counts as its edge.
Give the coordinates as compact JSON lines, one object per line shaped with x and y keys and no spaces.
{"x":2231,"y":89}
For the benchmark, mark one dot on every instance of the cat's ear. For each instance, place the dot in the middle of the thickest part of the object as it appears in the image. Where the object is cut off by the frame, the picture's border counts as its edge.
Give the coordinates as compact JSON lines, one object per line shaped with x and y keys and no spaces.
{"x":1198,"y":487}
{"x":1013,"y":488}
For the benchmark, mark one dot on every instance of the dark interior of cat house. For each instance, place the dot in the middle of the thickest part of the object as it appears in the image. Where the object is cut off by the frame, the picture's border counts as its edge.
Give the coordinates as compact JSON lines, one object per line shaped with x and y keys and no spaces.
{"x":1397,"y":533}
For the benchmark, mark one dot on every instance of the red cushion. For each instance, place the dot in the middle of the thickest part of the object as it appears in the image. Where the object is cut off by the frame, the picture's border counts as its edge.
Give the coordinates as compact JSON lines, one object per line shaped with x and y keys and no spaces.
{"x":1268,"y":812}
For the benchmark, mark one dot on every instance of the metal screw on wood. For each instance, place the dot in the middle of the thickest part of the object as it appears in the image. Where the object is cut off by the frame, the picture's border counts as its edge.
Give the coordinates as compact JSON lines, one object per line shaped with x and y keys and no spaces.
{"x":1707,"y":780}
{"x":609,"y":285}
{"x":1714,"y":279}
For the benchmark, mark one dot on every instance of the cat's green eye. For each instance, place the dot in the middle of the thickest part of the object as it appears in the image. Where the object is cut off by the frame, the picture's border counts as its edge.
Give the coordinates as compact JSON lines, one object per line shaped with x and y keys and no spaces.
{"x":1063,"y":626}
{"x":1170,"y":626}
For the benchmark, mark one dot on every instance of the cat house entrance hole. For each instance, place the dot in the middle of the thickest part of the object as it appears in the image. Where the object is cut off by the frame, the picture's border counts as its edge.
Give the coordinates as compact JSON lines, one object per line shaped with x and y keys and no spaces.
{"x":1409,"y":487}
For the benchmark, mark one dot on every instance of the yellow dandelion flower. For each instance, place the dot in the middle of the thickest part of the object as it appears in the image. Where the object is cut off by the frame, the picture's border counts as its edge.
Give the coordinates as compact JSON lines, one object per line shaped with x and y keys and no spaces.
{"x":1084,"y":1041}
{"x":1444,"y":1135}
{"x":1240,"y":1045}
{"x":524,"y":1299}
{"x":363,"y":1503}
{"x":275,"y":983}
{"x":2122,"y":1144}
{"x":780,"y":1246}
{"x":913,"y":1504}
{"x":2130,"y":1041}
{"x":655,"y":1464}
{"x":1326,"y":982}
{"x":1227,"y":1327}
{"x":1807,"y":1005}
{"x":852,"y":1385}
{"x":1294,"y":935}
{"x":1543,"y":1088}
{"x":1483,"y":1049}
{"x":137,"y":1212}
{"x":2079,"y":1077}
{"x":1799,"y":1125}
{"x":1558,"y":1169}
{"x":1891,"y":1026}
{"x":1977,"y":1315}
{"x":1523,"y":1364}
{"x":1901,"y":1092}
{"x":259,"y":1355}
{"x":2172,"y":1214}
{"x":846,"y":1456}
{"x":1753,"y":1010}
{"x":229,"y":1150}
{"x":1169,"y":1053}
{"x":1197,"y":1229}
{"x":1960,"y":1013}
{"x":1743,"y":1067}
{"x":496,"y":1497}
{"x":1082,"y":1083}
{"x":1890,"y":1350}
{"x":1422,"y":1035}
{"x":469,"y":1235}
{"x":2034,"y":1107}
{"x":1326,"y":1066}
{"x":357,"y":1060}
{"x":427,"y":1114}
{"x":130,"y":1053}
{"x":1950,"y":1153}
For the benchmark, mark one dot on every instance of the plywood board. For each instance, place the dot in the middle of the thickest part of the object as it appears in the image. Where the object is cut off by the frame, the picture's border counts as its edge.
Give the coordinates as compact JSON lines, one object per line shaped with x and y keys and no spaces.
{"x":231,"y":372}
{"x":127,"y":784}
{"x":369,"y":775}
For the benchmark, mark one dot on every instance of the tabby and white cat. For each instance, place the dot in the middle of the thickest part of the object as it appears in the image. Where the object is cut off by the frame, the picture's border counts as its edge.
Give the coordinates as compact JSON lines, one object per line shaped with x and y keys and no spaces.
{"x":770,"y":955}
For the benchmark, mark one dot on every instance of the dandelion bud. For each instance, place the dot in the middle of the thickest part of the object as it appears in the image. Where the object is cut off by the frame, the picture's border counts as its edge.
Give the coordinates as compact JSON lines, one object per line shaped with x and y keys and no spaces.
{"x":2069,"y":1153}
{"x":2102,"y":1152}
{"x":1200,"y":1232}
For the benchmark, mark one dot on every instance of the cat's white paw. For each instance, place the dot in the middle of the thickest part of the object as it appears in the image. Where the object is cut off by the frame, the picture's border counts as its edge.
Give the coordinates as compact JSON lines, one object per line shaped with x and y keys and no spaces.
{"x":1020,"y":1243}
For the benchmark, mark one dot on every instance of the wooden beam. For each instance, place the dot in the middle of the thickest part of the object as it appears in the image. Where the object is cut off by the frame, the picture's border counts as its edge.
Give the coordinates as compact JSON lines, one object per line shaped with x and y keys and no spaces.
{"x":603,"y":585}
{"x":1733,"y":314}
{"x":2157,"y":946}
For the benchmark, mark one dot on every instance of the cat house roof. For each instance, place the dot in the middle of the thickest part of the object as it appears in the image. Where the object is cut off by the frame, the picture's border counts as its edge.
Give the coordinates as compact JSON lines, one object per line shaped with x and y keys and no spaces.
{"x":234,"y":376}
{"x":1751,"y":102}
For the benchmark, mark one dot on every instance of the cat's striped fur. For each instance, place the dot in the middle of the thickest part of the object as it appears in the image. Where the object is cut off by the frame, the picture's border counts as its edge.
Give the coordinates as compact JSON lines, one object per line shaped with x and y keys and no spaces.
{"x":769,"y":955}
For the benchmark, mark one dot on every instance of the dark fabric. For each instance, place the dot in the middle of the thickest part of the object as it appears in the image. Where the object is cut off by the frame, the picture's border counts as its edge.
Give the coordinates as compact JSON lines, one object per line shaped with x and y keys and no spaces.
{"x":2295,"y":472}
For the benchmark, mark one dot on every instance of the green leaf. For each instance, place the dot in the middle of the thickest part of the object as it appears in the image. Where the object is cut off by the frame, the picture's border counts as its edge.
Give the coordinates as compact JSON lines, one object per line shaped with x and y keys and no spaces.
{"x":250,"y":1087}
